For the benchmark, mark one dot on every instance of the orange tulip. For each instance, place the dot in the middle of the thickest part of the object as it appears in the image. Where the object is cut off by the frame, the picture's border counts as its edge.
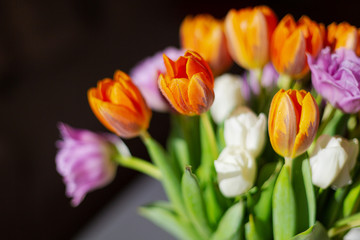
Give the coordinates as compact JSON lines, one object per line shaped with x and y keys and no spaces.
{"x":341,"y":35}
{"x":188,"y":84}
{"x":290,"y":43}
{"x":119,"y":105}
{"x":293,"y":122}
{"x":205,"y":35}
{"x":249,"y":32}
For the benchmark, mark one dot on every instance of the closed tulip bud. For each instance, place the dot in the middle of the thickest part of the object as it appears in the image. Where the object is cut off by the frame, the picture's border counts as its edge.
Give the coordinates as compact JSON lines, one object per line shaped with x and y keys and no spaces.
{"x":236,"y":171}
{"x":246,"y":130}
{"x":205,"y":35}
{"x":249,"y":32}
{"x":290,"y":43}
{"x":341,"y":35}
{"x":293,"y":122}
{"x":188,"y":84}
{"x":228,"y":92}
{"x":119,"y":106}
{"x":332,"y":161}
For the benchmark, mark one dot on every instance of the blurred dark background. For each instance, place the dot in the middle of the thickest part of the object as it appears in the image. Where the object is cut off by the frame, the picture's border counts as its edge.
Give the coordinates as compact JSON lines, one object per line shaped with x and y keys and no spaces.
{"x":51,"y":52}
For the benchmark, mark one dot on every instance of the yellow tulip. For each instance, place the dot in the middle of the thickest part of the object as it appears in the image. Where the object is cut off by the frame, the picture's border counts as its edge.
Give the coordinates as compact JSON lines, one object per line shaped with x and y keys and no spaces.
{"x":293,"y":122}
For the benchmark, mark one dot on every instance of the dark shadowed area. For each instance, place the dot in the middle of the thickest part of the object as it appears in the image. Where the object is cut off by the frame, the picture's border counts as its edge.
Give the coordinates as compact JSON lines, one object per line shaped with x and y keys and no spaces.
{"x":51,"y":52}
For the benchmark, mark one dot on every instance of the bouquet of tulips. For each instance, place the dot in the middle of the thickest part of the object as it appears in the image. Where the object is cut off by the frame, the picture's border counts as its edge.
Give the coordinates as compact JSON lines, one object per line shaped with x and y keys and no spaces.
{"x":269,"y":154}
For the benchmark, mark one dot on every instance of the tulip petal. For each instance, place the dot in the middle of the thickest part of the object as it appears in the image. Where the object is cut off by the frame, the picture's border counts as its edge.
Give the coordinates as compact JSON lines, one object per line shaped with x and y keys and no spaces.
{"x":282,"y":124}
{"x":309,"y":122}
{"x":329,"y":161}
{"x":293,"y":54}
{"x":199,"y":95}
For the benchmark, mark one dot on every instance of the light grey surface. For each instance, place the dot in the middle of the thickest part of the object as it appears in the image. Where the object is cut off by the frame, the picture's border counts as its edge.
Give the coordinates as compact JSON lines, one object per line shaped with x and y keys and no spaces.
{"x":120,"y":219}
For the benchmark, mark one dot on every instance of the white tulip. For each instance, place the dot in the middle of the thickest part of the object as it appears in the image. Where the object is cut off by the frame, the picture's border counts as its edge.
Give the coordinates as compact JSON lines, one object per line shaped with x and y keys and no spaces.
{"x":332,"y":161}
{"x":228,"y":96}
{"x":353,"y":234}
{"x":236,"y":171}
{"x":246,"y":130}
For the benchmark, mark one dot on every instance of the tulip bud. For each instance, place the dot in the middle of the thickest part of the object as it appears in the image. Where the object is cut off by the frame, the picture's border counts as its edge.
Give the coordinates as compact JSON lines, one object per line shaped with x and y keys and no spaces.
{"x":228,"y":94}
{"x":85,"y":160}
{"x":236,"y":171}
{"x":119,"y":105}
{"x":332,"y":161}
{"x":247,"y":130}
{"x":188,"y":84}
{"x":290,"y":43}
{"x":248,"y":32}
{"x":205,"y":35}
{"x":341,"y":35}
{"x":293,"y":122}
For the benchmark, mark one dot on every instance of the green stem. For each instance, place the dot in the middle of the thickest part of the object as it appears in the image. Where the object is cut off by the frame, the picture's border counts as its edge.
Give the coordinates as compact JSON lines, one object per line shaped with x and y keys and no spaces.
{"x":297,"y":85}
{"x":139,"y":165}
{"x":345,"y":224}
{"x":327,"y":119}
{"x":284,"y":81}
{"x":210,"y":134}
{"x":170,"y":180}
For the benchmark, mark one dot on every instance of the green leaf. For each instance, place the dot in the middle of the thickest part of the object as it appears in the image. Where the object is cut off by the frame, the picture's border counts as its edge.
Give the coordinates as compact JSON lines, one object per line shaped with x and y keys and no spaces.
{"x":304,"y":193}
{"x":194,"y":203}
{"x":213,"y":208}
{"x":263,"y":206}
{"x":170,"y":180}
{"x":187,"y":128}
{"x":230,"y":223}
{"x":255,"y":229}
{"x":284,"y":206}
{"x":338,"y":124}
{"x":333,"y":207}
{"x":179,"y":150}
{"x":315,"y":232}
{"x":345,"y":224}
{"x":162,"y":215}
{"x":310,"y":192}
{"x":352,"y":200}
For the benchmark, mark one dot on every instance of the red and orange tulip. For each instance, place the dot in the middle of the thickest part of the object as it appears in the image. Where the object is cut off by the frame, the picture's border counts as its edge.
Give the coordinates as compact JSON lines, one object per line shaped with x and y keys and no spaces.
{"x":119,"y":105}
{"x":293,"y":122}
{"x":249,"y":32}
{"x":205,"y":35}
{"x":290,"y":43}
{"x":188,"y":84}
{"x":341,"y":35}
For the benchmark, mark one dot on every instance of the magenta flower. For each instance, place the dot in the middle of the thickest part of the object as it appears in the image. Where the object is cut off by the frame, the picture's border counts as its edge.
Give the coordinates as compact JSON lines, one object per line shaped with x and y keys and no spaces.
{"x":145,"y":76}
{"x":336,"y":77}
{"x":85,"y":161}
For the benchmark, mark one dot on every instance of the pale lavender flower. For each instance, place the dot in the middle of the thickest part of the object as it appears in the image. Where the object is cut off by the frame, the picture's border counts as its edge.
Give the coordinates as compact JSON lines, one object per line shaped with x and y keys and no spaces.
{"x":336,"y":77}
{"x":269,"y":79}
{"x":85,"y":160}
{"x":145,"y":76}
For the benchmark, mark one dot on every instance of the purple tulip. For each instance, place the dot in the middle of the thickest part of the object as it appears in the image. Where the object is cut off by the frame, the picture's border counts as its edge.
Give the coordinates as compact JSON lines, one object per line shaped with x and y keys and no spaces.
{"x":145,"y":76}
{"x":336,"y":77}
{"x":85,"y":160}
